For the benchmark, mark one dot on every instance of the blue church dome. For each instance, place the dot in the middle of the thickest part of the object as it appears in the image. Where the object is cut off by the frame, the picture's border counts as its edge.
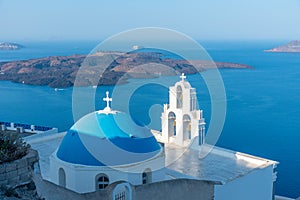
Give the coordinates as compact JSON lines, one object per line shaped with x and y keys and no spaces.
{"x":107,"y":138}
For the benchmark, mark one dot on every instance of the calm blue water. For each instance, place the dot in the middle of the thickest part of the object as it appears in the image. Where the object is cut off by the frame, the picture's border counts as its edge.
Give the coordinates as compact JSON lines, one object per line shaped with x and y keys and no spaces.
{"x":44,"y":49}
{"x":263,"y":103}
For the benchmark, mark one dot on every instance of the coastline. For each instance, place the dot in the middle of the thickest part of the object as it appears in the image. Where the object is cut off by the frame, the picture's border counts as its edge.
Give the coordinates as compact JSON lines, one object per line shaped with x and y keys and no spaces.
{"x":115,"y":68}
{"x":291,"y":47}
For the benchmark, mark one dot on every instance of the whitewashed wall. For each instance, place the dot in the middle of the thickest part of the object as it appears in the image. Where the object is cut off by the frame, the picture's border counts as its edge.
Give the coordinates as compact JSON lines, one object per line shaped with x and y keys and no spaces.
{"x":82,"y":179}
{"x":256,"y":185}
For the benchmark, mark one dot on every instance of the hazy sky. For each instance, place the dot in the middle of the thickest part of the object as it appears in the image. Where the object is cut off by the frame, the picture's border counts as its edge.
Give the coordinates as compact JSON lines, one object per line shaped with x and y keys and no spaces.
{"x":98,"y":19}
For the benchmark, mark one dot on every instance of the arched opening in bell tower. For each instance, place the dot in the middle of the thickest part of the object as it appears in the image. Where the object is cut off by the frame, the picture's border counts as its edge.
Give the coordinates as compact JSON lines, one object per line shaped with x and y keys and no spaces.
{"x":187,"y":127}
{"x":179,"y":96}
{"x":171,"y":124}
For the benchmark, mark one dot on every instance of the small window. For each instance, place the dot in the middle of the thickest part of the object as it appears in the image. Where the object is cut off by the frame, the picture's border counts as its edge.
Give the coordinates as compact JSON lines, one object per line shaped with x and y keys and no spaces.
{"x":146,"y":176}
{"x":102,"y":182}
{"x":62,"y":177}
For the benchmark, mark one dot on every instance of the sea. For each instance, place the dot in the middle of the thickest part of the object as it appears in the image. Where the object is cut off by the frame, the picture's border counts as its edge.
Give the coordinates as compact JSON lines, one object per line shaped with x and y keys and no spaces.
{"x":263,"y":103}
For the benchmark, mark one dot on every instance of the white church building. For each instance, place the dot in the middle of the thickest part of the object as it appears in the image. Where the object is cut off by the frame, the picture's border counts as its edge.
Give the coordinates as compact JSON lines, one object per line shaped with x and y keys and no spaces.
{"x":104,"y":155}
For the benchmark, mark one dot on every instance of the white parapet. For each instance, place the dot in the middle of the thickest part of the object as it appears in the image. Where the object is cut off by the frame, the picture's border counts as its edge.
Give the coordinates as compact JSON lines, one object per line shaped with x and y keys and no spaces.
{"x":21,"y":128}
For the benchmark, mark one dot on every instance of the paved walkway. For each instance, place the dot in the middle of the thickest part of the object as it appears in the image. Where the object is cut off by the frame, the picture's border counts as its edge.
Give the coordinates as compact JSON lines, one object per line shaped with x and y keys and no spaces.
{"x":45,"y":144}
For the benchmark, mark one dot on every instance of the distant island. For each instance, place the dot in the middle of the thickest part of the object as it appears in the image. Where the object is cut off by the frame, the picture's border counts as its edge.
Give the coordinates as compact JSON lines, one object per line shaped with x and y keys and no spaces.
{"x":10,"y":46}
{"x":292,"y":47}
{"x":61,"y":71}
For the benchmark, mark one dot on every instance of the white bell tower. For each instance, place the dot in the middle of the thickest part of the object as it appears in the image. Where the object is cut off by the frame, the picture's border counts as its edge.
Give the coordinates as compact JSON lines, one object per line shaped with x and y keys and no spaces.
{"x":181,"y":121}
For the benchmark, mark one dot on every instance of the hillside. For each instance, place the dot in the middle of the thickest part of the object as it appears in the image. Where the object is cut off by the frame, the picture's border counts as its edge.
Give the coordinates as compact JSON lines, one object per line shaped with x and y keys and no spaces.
{"x":292,"y":47}
{"x":10,"y":46}
{"x":61,"y":71}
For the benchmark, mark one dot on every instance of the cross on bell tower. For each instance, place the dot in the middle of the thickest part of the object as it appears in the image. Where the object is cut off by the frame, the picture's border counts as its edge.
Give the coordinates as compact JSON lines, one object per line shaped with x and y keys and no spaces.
{"x":107,"y":99}
{"x":183,"y":77}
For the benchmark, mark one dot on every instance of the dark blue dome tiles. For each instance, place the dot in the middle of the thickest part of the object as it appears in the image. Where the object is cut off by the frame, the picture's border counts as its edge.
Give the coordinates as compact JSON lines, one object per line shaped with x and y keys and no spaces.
{"x":107,"y":139}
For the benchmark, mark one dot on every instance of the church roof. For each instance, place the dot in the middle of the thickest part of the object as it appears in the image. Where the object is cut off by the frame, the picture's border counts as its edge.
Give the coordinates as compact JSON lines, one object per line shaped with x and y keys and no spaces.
{"x":107,"y":138}
{"x":219,"y":165}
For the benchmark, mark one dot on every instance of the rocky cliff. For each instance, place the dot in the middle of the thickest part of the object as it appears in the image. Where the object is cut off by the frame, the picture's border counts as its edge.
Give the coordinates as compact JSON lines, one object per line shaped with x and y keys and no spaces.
{"x":103,"y":68}
{"x":293,"y":46}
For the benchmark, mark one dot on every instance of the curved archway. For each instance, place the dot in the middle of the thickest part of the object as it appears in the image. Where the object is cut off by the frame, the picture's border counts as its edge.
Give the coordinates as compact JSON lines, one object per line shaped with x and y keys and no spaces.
{"x":193,"y":99}
{"x":61,"y":177}
{"x":122,"y":191}
{"x":187,"y":127}
{"x":171,"y":124}
{"x":179,"y":97}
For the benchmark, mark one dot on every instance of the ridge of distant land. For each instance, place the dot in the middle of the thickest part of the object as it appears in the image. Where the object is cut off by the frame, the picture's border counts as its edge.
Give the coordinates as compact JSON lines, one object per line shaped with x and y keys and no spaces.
{"x":114,"y":67}
{"x":291,"y":47}
{"x":10,"y":46}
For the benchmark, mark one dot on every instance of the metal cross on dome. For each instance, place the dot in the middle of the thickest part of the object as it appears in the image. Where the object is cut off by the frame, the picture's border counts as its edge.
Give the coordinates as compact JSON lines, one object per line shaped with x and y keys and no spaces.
{"x":182,"y":77}
{"x":107,"y":99}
